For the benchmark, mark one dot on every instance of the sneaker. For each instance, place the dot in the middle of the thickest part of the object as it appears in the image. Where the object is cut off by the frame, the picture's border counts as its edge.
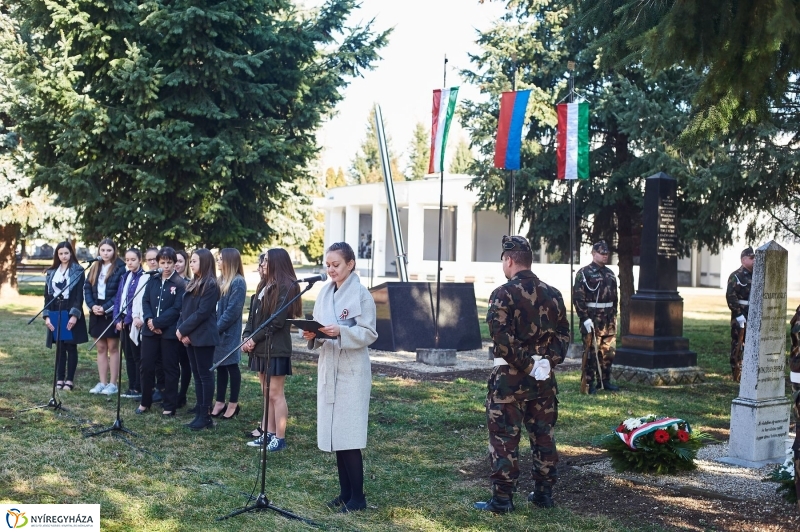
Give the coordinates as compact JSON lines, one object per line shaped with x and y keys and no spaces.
{"x":98,"y":388}
{"x":277,"y":444}
{"x":157,"y":396}
{"x":258,"y":441}
{"x":129,"y":394}
{"x":110,"y":389}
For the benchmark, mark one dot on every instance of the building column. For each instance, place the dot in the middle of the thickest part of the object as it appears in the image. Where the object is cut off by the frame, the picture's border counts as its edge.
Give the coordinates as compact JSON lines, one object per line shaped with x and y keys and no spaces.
{"x":463,"y":233}
{"x":351,"y":235}
{"x":334,"y":229}
{"x":379,"y":239}
{"x":695,"y":265}
{"x":416,"y":237}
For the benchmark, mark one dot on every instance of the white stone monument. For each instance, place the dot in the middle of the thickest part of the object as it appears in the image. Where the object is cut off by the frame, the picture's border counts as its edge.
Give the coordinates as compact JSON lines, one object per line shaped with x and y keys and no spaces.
{"x":760,"y":415}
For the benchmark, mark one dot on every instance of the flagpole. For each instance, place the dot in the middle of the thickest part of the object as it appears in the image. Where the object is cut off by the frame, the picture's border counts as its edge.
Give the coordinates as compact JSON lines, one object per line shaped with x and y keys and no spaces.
{"x":441,"y":209}
{"x":571,"y":67}
{"x":512,"y":209}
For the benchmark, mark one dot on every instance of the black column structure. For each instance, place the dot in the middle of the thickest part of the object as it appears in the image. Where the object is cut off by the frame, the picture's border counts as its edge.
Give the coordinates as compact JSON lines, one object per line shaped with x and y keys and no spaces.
{"x":655,"y":337}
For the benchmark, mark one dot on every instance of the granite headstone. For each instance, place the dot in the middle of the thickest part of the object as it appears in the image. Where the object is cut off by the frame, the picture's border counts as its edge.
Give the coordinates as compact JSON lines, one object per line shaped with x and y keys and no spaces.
{"x":655,"y":337}
{"x":760,"y":414}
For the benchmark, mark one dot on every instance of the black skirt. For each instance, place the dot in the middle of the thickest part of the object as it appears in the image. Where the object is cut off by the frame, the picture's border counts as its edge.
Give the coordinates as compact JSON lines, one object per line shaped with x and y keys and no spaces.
{"x":98,"y":324}
{"x":278,"y":366}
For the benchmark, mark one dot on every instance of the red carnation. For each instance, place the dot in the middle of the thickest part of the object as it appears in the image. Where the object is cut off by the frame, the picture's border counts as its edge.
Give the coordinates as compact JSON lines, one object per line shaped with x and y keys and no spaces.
{"x":621,"y":428}
{"x":661,"y":436}
{"x":683,"y":435}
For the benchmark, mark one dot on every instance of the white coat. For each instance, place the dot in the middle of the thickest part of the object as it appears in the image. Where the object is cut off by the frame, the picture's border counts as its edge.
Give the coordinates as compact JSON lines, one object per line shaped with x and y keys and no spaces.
{"x":344,"y":375}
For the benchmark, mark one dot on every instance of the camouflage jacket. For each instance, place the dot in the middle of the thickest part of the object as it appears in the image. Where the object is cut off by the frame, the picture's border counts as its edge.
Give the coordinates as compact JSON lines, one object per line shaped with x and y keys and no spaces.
{"x":594,"y":284}
{"x":526,"y":317}
{"x":738,"y":290}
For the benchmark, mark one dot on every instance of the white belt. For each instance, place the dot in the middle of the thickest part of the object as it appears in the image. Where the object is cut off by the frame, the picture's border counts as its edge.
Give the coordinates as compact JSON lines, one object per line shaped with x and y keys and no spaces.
{"x":599,"y":305}
{"x":500,"y":361}
{"x":744,"y":302}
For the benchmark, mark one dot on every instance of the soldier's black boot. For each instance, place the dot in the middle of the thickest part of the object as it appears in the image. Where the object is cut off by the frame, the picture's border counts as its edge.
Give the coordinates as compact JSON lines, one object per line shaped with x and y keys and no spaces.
{"x":542,"y":496}
{"x":592,"y":388}
{"x":609,"y":387}
{"x":498,"y":504}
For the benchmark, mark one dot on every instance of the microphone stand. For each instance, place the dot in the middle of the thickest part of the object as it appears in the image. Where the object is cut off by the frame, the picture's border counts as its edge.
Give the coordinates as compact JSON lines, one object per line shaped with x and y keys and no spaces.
{"x":261,"y":501}
{"x":117,"y":426}
{"x":54,"y":402}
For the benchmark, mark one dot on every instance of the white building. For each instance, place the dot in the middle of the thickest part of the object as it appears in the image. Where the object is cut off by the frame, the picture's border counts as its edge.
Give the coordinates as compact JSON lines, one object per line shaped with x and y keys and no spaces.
{"x":358,"y":215}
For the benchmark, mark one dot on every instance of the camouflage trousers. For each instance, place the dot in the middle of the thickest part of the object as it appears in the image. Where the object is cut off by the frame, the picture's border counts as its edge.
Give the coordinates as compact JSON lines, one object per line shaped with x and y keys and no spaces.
{"x":505,"y":422}
{"x":606,"y":351}
{"x":736,"y":353}
{"x":796,"y":445}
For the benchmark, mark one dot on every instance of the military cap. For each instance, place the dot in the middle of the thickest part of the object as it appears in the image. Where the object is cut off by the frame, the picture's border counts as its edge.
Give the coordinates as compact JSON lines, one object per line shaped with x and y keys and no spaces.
{"x":515,"y":243}
{"x":748,"y":252}
{"x":600,"y":247}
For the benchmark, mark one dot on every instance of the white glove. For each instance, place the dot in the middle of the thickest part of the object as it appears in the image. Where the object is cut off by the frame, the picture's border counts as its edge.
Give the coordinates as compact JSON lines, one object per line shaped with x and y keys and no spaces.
{"x":541,"y":369}
{"x":741,"y":321}
{"x":588,"y":325}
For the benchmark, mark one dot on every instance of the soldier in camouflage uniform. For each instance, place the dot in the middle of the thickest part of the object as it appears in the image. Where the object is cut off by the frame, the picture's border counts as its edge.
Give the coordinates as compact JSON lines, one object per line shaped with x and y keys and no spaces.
{"x":738,"y":297}
{"x":594,"y":295}
{"x":794,"y":377}
{"x":528,"y":324}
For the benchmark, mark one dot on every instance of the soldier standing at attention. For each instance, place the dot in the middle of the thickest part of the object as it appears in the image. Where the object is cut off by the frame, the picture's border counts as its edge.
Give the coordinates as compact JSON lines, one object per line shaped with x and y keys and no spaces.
{"x":738,"y":297}
{"x":594,"y":295}
{"x":794,"y":377}
{"x":529,"y":328}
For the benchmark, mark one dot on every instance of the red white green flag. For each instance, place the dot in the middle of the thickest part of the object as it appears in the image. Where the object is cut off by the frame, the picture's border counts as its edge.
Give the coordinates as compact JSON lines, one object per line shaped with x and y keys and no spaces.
{"x":444,"y":107}
{"x":572,"y":140}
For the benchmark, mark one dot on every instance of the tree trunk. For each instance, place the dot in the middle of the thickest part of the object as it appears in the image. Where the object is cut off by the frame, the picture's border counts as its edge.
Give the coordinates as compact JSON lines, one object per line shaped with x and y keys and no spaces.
{"x":8,"y":260}
{"x":625,"y":249}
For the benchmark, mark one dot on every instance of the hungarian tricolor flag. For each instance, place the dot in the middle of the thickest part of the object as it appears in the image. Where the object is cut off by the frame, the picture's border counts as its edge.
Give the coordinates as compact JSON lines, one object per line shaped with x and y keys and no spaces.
{"x":572,"y":140}
{"x":444,"y":106}
{"x":509,"y":129}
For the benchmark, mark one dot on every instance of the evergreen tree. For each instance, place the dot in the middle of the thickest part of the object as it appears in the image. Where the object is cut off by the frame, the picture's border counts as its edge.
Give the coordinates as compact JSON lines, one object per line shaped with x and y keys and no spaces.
{"x":185,"y":122}
{"x":419,"y":151}
{"x":334,"y":178}
{"x":366,"y":167}
{"x":462,"y":158}
{"x":636,"y":123}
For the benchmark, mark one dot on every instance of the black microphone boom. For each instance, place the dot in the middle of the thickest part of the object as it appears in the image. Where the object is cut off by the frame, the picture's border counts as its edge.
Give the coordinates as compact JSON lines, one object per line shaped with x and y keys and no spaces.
{"x":313,"y":279}
{"x":155,"y":272}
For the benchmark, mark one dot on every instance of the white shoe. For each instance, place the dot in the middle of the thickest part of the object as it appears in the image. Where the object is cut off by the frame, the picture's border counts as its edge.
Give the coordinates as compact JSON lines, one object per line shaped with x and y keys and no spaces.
{"x":110,"y":389}
{"x":98,"y":388}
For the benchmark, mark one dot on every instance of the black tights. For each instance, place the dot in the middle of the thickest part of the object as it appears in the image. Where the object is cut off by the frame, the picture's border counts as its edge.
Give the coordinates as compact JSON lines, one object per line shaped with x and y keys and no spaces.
{"x":351,"y":476}
{"x":222,"y":382}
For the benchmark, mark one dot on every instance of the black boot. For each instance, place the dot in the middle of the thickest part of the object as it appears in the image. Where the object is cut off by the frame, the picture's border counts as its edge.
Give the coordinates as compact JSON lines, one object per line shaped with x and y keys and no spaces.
{"x":542,"y":496}
{"x":592,"y":388}
{"x":609,"y":387}
{"x":496,"y":504}
{"x":202,"y":421}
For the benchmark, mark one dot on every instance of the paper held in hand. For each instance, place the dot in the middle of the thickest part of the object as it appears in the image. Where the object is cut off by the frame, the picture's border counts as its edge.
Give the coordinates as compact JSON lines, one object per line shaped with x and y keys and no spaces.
{"x":310,"y":325}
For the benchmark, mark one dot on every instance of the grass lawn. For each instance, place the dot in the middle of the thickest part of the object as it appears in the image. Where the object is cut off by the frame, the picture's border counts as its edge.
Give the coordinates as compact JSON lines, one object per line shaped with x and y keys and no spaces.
{"x":423,"y":437}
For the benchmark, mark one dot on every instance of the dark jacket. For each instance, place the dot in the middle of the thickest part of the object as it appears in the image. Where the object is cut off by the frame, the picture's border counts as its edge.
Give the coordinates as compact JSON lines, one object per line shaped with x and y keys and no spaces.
{"x":281,"y":337}
{"x":170,"y":296}
{"x":229,"y":321}
{"x":112,"y":285}
{"x":198,"y":318}
{"x":127,"y":306}
{"x":74,"y":304}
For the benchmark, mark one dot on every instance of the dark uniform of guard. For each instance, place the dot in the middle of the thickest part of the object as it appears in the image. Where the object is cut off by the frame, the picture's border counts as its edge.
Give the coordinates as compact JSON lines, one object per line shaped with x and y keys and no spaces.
{"x":794,"y":377}
{"x":594,"y":295}
{"x":737,"y":296}
{"x":529,"y":328}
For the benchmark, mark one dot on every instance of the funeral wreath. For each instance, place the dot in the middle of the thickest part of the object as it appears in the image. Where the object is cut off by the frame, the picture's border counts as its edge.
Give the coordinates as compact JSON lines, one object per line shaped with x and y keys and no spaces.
{"x":652,"y":444}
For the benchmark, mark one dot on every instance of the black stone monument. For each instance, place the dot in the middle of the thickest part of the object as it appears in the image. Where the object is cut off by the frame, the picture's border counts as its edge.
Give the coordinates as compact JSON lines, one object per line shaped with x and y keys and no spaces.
{"x":655,"y":339}
{"x":405,"y":316}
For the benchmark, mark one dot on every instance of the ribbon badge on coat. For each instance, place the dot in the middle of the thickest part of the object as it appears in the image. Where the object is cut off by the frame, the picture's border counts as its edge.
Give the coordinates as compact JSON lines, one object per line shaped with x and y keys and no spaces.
{"x":343,"y":315}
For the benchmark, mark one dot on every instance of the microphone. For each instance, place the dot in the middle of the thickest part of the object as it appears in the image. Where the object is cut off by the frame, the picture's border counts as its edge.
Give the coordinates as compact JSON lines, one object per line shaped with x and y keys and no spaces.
{"x":95,"y":259}
{"x":313,"y":278}
{"x":155,"y":272}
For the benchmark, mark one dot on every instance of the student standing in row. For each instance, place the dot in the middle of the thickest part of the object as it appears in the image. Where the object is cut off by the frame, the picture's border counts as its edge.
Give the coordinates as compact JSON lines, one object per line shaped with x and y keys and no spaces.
{"x":123,"y":307}
{"x":99,"y":292}
{"x":66,"y":312}
{"x":182,"y":269}
{"x":197,"y":330}
{"x":233,"y":289}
